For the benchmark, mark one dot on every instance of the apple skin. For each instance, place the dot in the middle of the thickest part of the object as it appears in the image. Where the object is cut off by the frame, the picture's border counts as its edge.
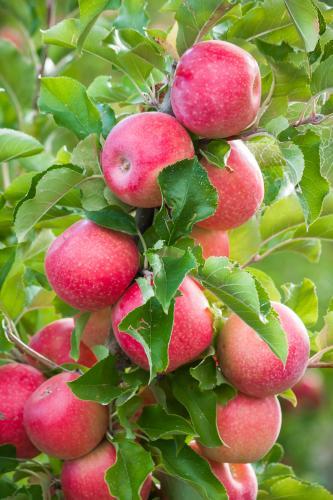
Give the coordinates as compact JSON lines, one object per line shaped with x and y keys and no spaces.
{"x":17,"y":382}
{"x":248,"y":426}
{"x":89,"y":267}
{"x":240,"y":188}
{"x":192,"y":330}
{"x":54,"y":342}
{"x":98,"y":327}
{"x":135,"y":152}
{"x":213,"y":243}
{"x":216,"y":89}
{"x":61,"y":425}
{"x":250,"y":365}
{"x":83,"y":478}
{"x":309,"y":391}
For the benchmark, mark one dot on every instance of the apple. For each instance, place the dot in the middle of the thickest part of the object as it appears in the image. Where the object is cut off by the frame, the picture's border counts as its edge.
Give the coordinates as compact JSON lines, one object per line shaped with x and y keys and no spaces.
{"x":192,"y":329}
{"x":214,"y":243}
{"x":84,"y":478}
{"x":89,"y":266}
{"x":309,"y":390}
{"x":54,"y":342}
{"x":98,"y":327}
{"x":248,"y":427}
{"x":216,"y":89}
{"x":135,"y":152}
{"x":13,"y":36}
{"x":17,"y":382}
{"x":249,"y":363}
{"x":61,"y":425}
{"x":240,"y":188}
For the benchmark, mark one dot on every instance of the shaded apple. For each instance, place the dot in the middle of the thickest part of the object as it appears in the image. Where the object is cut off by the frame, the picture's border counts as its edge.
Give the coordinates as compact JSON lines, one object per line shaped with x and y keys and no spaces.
{"x":60,"y":424}
{"x":135,"y":152}
{"x":17,"y":383}
{"x":98,"y":327}
{"x":89,"y":266}
{"x":249,"y":363}
{"x":214,"y":243}
{"x":309,"y":391}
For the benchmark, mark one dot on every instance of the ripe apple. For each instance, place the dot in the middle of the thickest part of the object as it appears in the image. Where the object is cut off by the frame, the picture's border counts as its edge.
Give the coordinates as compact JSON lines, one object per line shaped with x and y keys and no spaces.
{"x":248,"y":428}
{"x":54,"y":342}
{"x":17,"y":382}
{"x":60,"y":424}
{"x":98,"y":327}
{"x":240,"y":188}
{"x":135,"y":152}
{"x":214,"y":243}
{"x":89,"y":266}
{"x":250,"y":365}
{"x":84,"y":478}
{"x":309,"y":390}
{"x":192,"y":328}
{"x":216,"y":89}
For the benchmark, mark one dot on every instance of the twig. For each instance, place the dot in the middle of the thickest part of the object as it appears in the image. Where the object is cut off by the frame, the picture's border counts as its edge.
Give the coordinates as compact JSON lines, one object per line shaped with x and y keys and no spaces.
{"x":216,"y":15}
{"x":5,"y":176}
{"x":318,"y":356}
{"x":321,"y":364}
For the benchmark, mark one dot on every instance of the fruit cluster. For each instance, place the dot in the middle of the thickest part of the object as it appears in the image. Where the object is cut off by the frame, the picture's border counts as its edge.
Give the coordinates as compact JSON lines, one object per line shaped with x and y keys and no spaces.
{"x":215,"y":94}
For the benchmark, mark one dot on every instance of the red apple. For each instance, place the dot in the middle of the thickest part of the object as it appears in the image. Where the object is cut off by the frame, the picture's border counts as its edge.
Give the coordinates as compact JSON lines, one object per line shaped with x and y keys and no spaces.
{"x":17,"y":383}
{"x":309,"y":390}
{"x":251,"y":366}
{"x":248,"y":428}
{"x":54,"y":342}
{"x":214,"y":243}
{"x":240,"y":188}
{"x":13,"y":36}
{"x":98,"y":327}
{"x":84,"y":478}
{"x":216,"y":90}
{"x":60,"y":424}
{"x":192,"y":328}
{"x":135,"y":152}
{"x":90,"y":267}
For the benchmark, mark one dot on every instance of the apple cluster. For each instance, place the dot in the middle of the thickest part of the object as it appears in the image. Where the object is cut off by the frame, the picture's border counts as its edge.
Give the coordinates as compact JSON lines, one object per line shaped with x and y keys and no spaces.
{"x":215,"y":93}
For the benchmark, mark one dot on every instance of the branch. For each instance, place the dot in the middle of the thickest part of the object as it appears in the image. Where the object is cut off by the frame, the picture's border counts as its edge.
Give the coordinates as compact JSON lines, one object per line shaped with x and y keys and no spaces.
{"x":315,"y":361}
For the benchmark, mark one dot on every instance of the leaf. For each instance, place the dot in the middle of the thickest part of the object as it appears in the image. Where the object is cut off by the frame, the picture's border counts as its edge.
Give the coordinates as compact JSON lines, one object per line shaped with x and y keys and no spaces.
{"x":99,"y":384}
{"x":67,"y":100}
{"x":238,"y":290}
{"x":294,"y":489}
{"x":207,"y":374}
{"x":8,"y":461}
{"x":92,"y":195}
{"x":267,"y":282}
{"x":322,"y":78}
{"x":217,"y":153}
{"x":306,"y":21}
{"x":281,"y":216}
{"x":15,"y":144}
{"x":132,"y":14}
{"x":169,"y":273}
{"x":89,"y":12}
{"x":80,"y":323}
{"x":187,"y":465}
{"x":152,"y":329}
{"x":244,"y":241}
{"x":303,"y":300}
{"x":290,"y":396}
{"x":86,"y":154}
{"x":46,"y":189}
{"x":115,"y":218}
{"x":133,"y":465}
{"x":157,"y":423}
{"x":201,"y":406}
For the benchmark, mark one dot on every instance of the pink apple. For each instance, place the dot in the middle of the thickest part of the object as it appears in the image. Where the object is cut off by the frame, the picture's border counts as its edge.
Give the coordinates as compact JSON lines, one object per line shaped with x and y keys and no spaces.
{"x":251,"y":366}
{"x":61,"y":425}
{"x":240,"y":188}
{"x":214,"y":243}
{"x":54,"y":342}
{"x":89,"y":267}
{"x":84,"y":478}
{"x":192,"y":329}
{"x":135,"y":152}
{"x":216,"y":90}
{"x":17,"y":383}
{"x":98,"y":327}
{"x":248,"y":427}
{"x":310,"y":390}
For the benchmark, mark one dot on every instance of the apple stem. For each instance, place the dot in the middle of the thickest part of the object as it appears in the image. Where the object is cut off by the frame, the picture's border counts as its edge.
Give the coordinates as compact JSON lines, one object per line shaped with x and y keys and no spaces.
{"x":315,"y":362}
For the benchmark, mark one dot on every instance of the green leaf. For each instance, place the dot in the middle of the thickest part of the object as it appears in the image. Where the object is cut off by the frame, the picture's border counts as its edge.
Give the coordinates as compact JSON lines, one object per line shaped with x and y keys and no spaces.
{"x":132,"y":14}
{"x":244,"y":241}
{"x":201,"y":406}
{"x":67,"y":100}
{"x":217,"y":153}
{"x":15,"y":144}
{"x":99,"y":384}
{"x":92,"y":195}
{"x":294,"y":489}
{"x":322,"y":78}
{"x":187,"y":465}
{"x":150,"y":326}
{"x":46,"y":189}
{"x":157,"y":423}
{"x":303,"y":300}
{"x":126,"y":477}
{"x":86,"y":155}
{"x":267,"y":282}
{"x":281,"y":216}
{"x":80,"y":323}
{"x":306,"y":21}
{"x":89,"y":12}
{"x":238,"y":290}
{"x":169,"y":273}
{"x":8,"y":460}
{"x":207,"y":374}
{"x":113,"y":218}
{"x":290,"y":396}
